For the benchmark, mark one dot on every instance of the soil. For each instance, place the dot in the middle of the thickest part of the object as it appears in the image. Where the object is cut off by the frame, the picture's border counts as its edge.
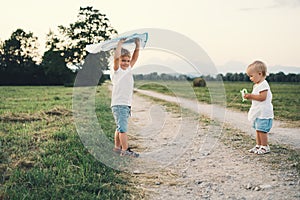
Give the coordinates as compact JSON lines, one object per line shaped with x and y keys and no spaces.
{"x":185,"y":155}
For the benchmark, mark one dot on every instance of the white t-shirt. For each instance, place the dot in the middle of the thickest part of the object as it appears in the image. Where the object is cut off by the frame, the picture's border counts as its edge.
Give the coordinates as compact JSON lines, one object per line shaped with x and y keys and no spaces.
{"x":122,"y":81}
{"x":261,"y":109}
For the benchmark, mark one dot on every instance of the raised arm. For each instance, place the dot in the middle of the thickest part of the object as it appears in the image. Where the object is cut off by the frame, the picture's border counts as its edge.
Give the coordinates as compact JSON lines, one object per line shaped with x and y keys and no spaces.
{"x":136,"y":52}
{"x":117,"y":54}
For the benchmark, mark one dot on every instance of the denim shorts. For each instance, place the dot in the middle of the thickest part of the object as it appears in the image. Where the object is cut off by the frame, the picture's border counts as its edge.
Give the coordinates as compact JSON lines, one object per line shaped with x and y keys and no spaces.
{"x":121,"y":114}
{"x":263,"y":125}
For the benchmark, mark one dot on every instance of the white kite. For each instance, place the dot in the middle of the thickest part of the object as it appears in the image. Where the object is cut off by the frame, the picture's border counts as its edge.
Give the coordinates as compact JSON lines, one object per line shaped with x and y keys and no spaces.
{"x":111,"y":44}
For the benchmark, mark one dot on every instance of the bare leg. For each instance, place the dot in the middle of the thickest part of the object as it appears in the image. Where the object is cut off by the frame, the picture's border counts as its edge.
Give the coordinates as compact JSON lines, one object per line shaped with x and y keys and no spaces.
{"x":117,"y":140}
{"x":124,"y":141}
{"x":258,"y":138}
{"x":263,"y":138}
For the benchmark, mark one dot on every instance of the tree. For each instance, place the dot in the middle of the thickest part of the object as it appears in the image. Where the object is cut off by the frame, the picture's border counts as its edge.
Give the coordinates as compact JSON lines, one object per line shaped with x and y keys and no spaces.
{"x":91,"y":27}
{"x":228,"y":76}
{"x":54,"y":66}
{"x":68,"y":47}
{"x":19,"y":56}
{"x":279,"y":77}
{"x":20,"y":49}
{"x":55,"y":70}
{"x":220,"y":77}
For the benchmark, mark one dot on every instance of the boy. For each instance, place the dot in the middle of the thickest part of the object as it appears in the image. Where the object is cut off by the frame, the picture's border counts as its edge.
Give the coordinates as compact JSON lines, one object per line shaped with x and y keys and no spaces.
{"x":122,"y":80}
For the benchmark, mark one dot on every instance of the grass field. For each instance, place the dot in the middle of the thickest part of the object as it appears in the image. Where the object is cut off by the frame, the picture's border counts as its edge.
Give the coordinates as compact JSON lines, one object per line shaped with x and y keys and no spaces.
{"x":41,"y":155}
{"x":286,"y":96}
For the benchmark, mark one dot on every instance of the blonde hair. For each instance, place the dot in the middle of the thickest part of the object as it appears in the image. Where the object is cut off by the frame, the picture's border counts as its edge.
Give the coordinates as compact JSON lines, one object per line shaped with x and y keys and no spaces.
{"x":259,"y":66}
{"x":125,"y":52}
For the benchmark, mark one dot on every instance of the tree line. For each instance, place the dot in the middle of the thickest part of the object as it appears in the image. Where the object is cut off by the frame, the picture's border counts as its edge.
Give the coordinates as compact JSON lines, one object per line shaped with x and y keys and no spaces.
{"x":272,"y":77}
{"x":21,"y":64}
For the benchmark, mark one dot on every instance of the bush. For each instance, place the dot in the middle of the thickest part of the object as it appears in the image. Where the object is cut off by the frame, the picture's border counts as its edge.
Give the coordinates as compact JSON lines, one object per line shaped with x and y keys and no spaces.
{"x":199,"y":82}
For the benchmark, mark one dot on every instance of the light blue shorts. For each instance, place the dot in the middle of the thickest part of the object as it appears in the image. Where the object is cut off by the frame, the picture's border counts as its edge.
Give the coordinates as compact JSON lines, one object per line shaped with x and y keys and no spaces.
{"x":263,"y":125}
{"x":121,"y":114}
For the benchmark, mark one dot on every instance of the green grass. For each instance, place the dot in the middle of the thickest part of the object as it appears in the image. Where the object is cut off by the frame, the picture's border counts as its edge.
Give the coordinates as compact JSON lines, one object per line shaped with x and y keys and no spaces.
{"x":286,"y":101}
{"x":41,"y":155}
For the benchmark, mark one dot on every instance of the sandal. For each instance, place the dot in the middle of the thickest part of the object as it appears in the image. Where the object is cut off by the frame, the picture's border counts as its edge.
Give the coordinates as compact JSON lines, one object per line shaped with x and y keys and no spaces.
{"x":254,"y":149}
{"x":263,"y":150}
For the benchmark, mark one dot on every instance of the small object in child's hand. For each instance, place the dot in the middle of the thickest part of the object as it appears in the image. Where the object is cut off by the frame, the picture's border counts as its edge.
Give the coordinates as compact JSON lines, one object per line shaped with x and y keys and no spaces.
{"x":243,"y":92}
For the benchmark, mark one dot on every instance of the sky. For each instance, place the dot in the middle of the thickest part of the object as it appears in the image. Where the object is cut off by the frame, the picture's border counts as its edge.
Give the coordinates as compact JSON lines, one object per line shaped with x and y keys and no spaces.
{"x":233,"y":33}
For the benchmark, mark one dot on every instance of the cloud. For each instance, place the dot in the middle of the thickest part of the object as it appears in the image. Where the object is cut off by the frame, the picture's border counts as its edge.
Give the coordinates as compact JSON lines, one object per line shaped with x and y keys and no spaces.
{"x":286,"y":3}
{"x":275,"y":4}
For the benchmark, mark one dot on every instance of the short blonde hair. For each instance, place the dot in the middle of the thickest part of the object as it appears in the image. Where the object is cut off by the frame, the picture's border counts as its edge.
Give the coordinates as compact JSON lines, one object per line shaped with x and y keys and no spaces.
{"x":125,"y":52}
{"x":259,"y":66}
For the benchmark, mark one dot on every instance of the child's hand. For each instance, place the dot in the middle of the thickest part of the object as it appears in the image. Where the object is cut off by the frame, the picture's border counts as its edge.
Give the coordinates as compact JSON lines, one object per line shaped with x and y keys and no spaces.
{"x":247,"y":96}
{"x":121,"y":41}
{"x":137,"y":42}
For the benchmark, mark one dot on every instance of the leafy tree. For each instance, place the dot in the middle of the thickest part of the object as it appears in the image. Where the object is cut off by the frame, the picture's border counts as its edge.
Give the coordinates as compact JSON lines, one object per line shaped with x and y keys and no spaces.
{"x":220,"y":77}
{"x":279,"y":77}
{"x":55,"y":70}
{"x":228,"y":76}
{"x":68,"y":47}
{"x":20,"y":49}
{"x":91,"y":27}
{"x":19,"y":56}
{"x":54,"y":66}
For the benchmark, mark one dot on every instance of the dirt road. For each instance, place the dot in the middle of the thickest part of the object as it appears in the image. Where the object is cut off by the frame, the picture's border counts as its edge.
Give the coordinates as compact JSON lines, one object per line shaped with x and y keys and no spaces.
{"x":184,"y":158}
{"x":279,"y":133}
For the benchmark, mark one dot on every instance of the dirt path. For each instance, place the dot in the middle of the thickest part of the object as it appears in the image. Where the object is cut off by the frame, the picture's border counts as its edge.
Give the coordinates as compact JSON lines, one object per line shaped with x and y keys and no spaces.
{"x":182,"y":158}
{"x":239,"y":120}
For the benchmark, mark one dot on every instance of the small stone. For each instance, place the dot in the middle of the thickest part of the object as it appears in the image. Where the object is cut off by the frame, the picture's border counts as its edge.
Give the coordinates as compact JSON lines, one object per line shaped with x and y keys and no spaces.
{"x":257,"y":188}
{"x":157,"y":183}
{"x":292,"y":183}
{"x":136,"y":171}
{"x":248,"y":186}
{"x":294,"y":164}
{"x":205,"y":154}
{"x":265,"y":187}
{"x":198,"y":182}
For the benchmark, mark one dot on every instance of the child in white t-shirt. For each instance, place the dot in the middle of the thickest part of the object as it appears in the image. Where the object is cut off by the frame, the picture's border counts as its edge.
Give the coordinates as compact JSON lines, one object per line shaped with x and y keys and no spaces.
{"x":122,"y":91}
{"x":261,"y":111}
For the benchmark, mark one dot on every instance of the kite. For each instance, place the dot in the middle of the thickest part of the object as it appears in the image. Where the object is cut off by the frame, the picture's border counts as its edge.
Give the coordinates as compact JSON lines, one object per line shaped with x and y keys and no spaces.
{"x":111,"y":44}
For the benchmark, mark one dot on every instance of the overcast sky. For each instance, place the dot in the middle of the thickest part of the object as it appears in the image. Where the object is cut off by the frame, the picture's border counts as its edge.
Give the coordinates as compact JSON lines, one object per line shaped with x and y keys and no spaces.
{"x":229,"y":31}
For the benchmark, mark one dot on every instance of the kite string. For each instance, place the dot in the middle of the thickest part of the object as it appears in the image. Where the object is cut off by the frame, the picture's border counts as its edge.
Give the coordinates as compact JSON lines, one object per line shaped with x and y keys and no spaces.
{"x":232,"y":101}
{"x":243,"y":91}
